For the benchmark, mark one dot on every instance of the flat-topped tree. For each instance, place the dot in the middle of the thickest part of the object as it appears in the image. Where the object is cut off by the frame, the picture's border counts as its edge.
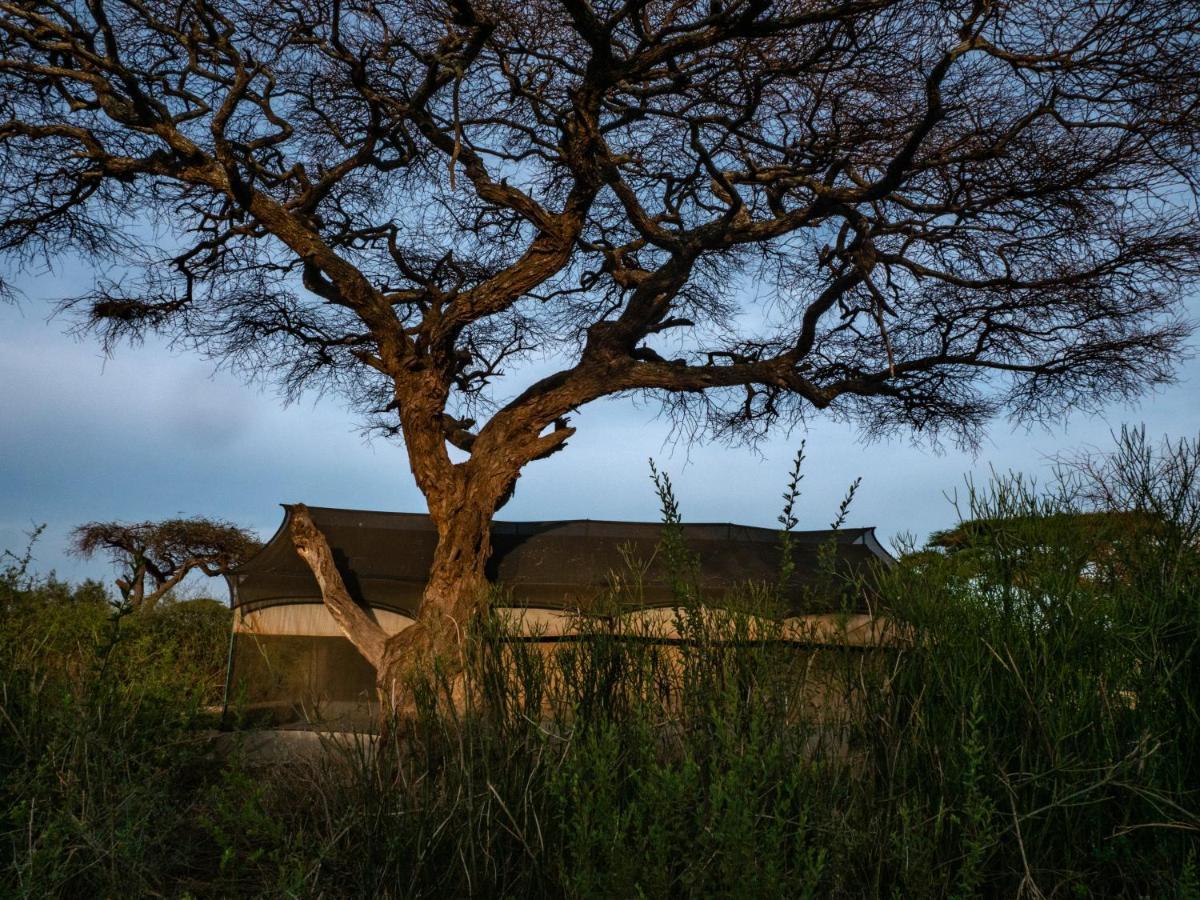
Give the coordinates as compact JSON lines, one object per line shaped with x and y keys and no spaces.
{"x":909,"y":214}
{"x":159,"y":555}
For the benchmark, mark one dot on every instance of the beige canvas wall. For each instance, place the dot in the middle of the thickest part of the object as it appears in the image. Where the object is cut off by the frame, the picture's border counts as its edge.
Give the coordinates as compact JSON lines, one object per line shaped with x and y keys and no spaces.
{"x":854,"y":629}
{"x":292,"y":665}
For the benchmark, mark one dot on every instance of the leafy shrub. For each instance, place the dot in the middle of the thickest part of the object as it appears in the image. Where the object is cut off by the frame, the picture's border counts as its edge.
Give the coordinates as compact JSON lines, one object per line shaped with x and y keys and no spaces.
{"x":100,"y":736}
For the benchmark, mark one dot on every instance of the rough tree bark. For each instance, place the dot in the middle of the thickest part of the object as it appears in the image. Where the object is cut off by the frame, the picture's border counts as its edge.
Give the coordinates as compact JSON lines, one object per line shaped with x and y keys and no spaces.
{"x":454,"y":591}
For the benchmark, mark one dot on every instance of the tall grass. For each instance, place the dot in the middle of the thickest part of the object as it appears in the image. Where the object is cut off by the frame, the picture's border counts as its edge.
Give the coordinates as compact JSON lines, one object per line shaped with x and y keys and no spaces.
{"x":1032,"y":732}
{"x":1041,"y":736}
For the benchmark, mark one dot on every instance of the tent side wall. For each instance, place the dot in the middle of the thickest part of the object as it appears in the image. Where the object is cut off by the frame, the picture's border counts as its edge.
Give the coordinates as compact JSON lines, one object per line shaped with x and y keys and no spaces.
{"x":291,"y":664}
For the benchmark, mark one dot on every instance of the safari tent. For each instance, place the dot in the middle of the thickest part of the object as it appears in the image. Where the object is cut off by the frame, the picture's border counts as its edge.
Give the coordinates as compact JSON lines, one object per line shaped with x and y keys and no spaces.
{"x":288,"y":658}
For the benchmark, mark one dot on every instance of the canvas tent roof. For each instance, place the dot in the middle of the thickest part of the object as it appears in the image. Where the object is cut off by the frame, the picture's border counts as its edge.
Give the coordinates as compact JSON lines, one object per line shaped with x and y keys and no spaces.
{"x":384,"y":558}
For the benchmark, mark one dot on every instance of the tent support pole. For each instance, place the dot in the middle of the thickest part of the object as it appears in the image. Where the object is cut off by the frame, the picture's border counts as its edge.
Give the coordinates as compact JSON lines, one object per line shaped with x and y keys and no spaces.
{"x":223,"y":724}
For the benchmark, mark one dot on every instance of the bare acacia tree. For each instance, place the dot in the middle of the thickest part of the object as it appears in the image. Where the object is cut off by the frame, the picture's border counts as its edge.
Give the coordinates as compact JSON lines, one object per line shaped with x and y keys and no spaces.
{"x":163,"y":553}
{"x":909,"y":213}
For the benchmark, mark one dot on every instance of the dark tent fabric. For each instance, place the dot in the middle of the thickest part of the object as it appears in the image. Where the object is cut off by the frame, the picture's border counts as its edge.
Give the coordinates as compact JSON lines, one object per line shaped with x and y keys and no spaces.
{"x":288,"y":660}
{"x":384,"y":558}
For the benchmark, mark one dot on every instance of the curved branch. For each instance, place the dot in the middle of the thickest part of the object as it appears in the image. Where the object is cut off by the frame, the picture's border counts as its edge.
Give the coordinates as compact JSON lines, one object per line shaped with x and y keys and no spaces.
{"x":364,"y":633}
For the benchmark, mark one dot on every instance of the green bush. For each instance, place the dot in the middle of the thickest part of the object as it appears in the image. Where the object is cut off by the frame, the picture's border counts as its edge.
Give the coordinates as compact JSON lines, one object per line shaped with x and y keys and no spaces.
{"x":101,"y":736}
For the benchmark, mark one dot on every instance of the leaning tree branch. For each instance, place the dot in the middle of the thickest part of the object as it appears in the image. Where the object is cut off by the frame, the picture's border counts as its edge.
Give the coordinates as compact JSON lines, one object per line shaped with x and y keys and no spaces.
{"x":363,"y":631}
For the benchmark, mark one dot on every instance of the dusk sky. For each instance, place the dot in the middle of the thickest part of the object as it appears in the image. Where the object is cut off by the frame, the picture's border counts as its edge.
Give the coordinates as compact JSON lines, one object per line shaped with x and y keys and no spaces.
{"x":153,"y":433}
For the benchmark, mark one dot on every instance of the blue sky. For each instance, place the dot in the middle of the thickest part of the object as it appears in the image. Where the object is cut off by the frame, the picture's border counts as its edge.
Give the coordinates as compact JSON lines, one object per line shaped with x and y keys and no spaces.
{"x":151,"y":433}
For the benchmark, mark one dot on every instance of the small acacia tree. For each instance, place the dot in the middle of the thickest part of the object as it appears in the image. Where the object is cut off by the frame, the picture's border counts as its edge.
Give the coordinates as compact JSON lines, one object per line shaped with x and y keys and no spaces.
{"x":162,"y":554}
{"x":911,"y":213}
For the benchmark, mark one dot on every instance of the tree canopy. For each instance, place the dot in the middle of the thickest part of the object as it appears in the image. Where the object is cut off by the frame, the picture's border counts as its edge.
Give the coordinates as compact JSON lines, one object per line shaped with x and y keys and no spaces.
{"x":163,"y":553}
{"x":921,"y":194}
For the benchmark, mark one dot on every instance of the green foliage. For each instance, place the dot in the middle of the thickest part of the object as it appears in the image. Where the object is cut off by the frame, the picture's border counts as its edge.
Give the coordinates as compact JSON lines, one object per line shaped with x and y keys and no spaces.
{"x":788,"y":520}
{"x":1052,"y":701}
{"x":1030,"y":732}
{"x":100,"y":741}
{"x":681,"y":563}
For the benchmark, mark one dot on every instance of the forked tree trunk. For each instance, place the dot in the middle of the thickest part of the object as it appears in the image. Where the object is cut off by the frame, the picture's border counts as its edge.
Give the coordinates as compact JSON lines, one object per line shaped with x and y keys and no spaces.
{"x":133,"y":588}
{"x":455,"y":589}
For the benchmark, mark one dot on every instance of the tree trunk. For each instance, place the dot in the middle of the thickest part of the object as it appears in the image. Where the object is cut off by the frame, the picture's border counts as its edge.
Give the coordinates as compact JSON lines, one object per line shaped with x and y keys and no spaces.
{"x":133,"y":589}
{"x":462,"y":499}
{"x":456,"y":589}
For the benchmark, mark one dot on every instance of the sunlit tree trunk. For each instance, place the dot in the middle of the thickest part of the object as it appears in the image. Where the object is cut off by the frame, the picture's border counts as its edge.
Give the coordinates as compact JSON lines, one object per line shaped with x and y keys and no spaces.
{"x":456,"y":589}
